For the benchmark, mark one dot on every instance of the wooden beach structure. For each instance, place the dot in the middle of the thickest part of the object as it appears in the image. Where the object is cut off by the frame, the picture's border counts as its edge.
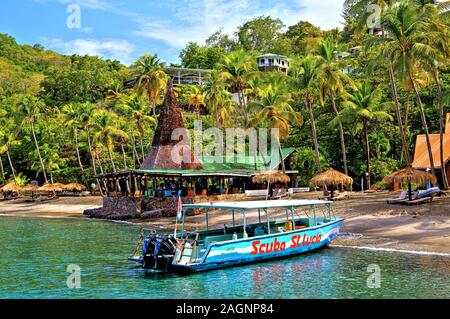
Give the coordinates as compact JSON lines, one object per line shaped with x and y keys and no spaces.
{"x":160,"y":179}
{"x":421,"y":158}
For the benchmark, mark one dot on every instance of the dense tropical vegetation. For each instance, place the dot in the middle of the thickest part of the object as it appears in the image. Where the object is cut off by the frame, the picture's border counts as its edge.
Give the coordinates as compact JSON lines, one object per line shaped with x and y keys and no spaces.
{"x":353,"y":99}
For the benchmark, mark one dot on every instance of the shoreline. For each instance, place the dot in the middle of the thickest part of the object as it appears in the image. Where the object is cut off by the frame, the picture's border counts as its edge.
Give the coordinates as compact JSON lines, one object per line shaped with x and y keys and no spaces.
{"x":423,"y":229}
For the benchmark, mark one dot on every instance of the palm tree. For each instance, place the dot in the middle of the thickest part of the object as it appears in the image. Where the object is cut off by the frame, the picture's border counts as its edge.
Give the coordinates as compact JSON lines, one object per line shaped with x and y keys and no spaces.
{"x":71,"y":115}
{"x":218,"y":101}
{"x":274,"y":106}
{"x":235,"y":70}
{"x":31,"y":110}
{"x":106,"y":132}
{"x":85,"y":116}
{"x":332,"y":81}
{"x":134,"y":107}
{"x":151,"y":78}
{"x":436,"y":26}
{"x":305,"y":78}
{"x":362,"y":107}
{"x":195,"y":97}
{"x":410,"y":48}
{"x":7,"y":141}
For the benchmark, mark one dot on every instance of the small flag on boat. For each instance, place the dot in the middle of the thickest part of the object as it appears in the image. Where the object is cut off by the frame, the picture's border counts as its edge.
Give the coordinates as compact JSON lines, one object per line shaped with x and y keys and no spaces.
{"x":179,"y":209}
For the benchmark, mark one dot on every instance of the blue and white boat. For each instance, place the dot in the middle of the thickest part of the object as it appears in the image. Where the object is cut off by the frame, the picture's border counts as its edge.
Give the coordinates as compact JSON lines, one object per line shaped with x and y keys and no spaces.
{"x":306,"y":226}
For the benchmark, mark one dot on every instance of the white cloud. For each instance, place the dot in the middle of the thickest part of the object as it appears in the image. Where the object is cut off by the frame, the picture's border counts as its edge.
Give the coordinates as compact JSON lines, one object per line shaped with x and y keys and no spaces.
{"x":90,"y":4}
{"x":198,"y":19}
{"x":111,"y":49}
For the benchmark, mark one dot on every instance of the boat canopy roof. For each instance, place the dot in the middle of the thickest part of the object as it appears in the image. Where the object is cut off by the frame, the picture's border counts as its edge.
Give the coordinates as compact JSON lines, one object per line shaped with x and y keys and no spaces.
{"x":258,"y":204}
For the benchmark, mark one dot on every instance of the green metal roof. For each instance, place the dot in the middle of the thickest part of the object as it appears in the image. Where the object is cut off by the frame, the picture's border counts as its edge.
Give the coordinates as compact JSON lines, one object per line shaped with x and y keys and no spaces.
{"x":231,"y":166}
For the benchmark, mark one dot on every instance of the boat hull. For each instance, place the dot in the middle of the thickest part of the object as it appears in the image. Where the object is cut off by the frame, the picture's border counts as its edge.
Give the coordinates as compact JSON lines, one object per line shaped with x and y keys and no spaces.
{"x":261,"y":248}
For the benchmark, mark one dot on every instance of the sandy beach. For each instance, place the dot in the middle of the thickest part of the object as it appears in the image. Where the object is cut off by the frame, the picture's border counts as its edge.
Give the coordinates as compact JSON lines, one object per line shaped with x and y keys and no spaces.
{"x":418,"y":228}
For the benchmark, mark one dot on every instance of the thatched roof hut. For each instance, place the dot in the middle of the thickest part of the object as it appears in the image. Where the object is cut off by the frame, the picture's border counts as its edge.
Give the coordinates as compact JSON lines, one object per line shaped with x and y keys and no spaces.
{"x":271,"y":177}
{"x":160,"y":156}
{"x":11,"y":187}
{"x":410,"y":175}
{"x":75,"y":187}
{"x":332,"y":177}
{"x":30,"y":188}
{"x":56,"y":187}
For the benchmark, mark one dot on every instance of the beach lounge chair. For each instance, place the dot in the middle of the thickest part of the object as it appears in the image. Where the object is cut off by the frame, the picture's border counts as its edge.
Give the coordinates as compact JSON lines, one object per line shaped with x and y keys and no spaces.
{"x":417,"y":201}
{"x":256,"y":193}
{"x":403,"y":197}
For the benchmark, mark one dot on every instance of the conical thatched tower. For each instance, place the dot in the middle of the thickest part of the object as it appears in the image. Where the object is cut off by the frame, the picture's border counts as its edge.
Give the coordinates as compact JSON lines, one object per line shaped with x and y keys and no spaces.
{"x":160,"y":156}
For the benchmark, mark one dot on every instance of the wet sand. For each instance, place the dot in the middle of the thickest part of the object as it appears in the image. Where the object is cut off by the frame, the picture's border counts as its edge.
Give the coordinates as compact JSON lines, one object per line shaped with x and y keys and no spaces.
{"x":417,"y":228}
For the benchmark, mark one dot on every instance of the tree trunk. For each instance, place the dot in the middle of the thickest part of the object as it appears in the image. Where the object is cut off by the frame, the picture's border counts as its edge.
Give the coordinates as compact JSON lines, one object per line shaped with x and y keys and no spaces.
{"x":366,"y":135}
{"x":78,"y":152}
{"x":397,"y":112}
{"x":441,"y":131}
{"x":124,"y":157}
{"x":142,"y":147}
{"x":111,"y":159}
{"x":39,"y":153}
{"x":94,"y":167}
{"x":11,"y":165}
{"x":135,"y":150}
{"x":51,"y":177}
{"x":3,"y":170}
{"x":341,"y":135}
{"x":314,"y":135}
{"x":424,"y":124}
{"x":280,"y":151}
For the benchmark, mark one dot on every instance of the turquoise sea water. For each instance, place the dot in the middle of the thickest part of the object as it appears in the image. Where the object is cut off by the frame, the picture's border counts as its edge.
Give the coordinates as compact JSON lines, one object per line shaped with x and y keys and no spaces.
{"x":35,"y":253}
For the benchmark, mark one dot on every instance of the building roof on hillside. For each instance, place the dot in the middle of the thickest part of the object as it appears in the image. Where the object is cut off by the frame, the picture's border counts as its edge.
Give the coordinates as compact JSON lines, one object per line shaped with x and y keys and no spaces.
{"x":421,"y":159}
{"x":272,"y":55}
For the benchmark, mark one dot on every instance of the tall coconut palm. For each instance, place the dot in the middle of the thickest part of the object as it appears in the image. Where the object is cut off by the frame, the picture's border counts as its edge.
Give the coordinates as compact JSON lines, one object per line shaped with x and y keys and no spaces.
{"x":8,"y":140}
{"x":85,"y":118}
{"x":305,"y":79}
{"x":151,"y":78}
{"x":30,"y":110}
{"x":409,"y":47}
{"x":274,"y":106}
{"x":134,"y":107}
{"x":235,"y":70}
{"x":107,"y":132}
{"x":218,"y":101}
{"x":437,"y":28}
{"x":362,"y":9}
{"x":332,"y":81}
{"x":195,"y":97}
{"x":71,"y":113}
{"x":363,"y":107}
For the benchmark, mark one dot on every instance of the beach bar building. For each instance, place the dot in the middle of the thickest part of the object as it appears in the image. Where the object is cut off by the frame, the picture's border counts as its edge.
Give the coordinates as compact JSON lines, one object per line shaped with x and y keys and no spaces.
{"x":153,"y":188}
{"x":421,"y":158}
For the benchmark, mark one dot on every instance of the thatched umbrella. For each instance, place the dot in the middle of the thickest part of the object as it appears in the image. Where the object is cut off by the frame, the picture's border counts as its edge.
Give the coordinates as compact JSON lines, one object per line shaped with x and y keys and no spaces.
{"x":332,"y":177}
{"x":410,"y":175}
{"x":56,"y":187}
{"x":30,"y":188}
{"x":271,"y":177}
{"x":11,"y":187}
{"x":74,"y":187}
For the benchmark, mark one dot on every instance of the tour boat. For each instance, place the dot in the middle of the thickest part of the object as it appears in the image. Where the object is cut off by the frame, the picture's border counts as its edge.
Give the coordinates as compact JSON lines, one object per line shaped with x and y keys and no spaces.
{"x":306,"y":226}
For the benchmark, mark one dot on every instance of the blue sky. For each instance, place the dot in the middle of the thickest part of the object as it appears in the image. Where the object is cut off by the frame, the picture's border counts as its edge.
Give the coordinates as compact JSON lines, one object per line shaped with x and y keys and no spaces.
{"x":125,"y":30}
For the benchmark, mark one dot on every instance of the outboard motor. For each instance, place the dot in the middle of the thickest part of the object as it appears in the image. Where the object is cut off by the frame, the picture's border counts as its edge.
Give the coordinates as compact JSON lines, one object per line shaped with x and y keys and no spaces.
{"x":158,"y":251}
